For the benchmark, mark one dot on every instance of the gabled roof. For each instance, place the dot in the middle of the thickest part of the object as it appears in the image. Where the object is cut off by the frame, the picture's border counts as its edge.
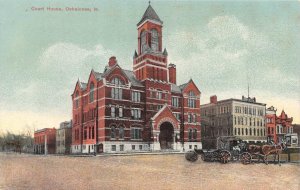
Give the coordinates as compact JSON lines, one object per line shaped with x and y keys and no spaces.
{"x":151,"y":15}
{"x":183,"y":86}
{"x":161,"y":110}
{"x":98,"y":75}
{"x":129,"y":74}
{"x":82,"y":85}
{"x":175,"y":88}
{"x":132,"y":79}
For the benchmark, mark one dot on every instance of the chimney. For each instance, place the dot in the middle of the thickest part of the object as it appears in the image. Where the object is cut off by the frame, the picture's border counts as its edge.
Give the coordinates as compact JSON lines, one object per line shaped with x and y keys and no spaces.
{"x":112,"y":61}
{"x":172,"y":73}
{"x":213,"y":99}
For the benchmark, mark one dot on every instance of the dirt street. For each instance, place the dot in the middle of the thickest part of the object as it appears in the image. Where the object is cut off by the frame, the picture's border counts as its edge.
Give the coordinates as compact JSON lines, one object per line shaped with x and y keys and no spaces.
{"x":140,"y":172}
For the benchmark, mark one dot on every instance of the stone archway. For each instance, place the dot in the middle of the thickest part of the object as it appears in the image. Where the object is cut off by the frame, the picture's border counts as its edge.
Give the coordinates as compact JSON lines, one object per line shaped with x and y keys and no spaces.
{"x":166,"y":136}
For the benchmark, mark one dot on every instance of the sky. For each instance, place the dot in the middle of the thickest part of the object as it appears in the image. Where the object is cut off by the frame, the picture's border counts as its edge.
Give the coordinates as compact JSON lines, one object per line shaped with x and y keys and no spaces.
{"x":222,"y":45}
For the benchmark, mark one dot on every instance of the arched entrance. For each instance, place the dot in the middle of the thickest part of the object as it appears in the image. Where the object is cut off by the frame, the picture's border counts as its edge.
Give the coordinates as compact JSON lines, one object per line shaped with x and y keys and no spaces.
{"x":166,"y":135}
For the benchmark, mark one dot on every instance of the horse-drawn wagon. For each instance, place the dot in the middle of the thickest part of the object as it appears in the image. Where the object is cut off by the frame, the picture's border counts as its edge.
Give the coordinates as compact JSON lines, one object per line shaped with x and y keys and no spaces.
{"x":228,"y":148}
{"x":231,"y":148}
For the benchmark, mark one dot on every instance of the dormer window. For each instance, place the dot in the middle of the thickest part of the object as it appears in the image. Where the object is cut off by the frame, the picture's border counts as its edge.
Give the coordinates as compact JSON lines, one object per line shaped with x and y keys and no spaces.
{"x":154,"y":40}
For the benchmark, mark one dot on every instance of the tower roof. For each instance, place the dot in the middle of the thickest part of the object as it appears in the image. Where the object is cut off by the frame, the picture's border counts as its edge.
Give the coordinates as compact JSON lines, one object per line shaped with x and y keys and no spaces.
{"x":151,"y":15}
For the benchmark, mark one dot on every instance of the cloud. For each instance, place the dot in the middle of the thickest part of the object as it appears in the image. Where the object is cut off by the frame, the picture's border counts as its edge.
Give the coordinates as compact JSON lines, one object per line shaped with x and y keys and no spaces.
{"x":67,"y":57}
{"x":48,"y":95}
{"x":227,"y":54}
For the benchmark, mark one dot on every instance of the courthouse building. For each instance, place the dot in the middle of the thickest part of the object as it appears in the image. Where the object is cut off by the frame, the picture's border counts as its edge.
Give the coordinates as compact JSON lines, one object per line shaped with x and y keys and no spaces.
{"x":119,"y":110}
{"x":243,"y":118}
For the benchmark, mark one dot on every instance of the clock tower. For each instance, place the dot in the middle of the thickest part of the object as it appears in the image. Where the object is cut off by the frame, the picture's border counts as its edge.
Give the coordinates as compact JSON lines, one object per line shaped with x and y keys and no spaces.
{"x":150,"y":62}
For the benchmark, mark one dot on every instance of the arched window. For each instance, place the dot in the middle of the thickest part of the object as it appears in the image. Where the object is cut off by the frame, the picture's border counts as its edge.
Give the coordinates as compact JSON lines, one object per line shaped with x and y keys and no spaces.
{"x":121,"y":133}
{"x":116,"y":81}
{"x":92,"y":92}
{"x":257,"y":132}
{"x":246,"y":131}
{"x":195,"y":134}
{"x":191,"y":100}
{"x":250,"y":132}
{"x":116,"y":92}
{"x":154,"y":40}
{"x":261,"y":132}
{"x":190,"y":134}
{"x":143,"y":41}
{"x":76,"y":99}
{"x":113,"y":132}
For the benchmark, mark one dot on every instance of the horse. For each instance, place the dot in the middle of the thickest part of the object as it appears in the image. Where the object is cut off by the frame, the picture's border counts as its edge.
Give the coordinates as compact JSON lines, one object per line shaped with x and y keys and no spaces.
{"x":276,"y":150}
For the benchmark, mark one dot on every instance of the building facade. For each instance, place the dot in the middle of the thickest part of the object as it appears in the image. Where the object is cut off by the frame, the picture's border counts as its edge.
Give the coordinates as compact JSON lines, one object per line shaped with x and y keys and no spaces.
{"x":283,"y":126}
{"x":243,"y":118}
{"x":64,"y":138}
{"x":296,"y":130}
{"x":271,"y":124}
{"x":44,"y":141}
{"x":119,"y":110}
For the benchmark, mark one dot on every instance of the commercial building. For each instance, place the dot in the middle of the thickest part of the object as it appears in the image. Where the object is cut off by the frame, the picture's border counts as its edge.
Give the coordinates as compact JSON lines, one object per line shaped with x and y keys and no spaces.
{"x":64,"y":138}
{"x":271,"y":124}
{"x":243,"y":118}
{"x":284,"y":127}
{"x":120,"y":110}
{"x":44,"y":141}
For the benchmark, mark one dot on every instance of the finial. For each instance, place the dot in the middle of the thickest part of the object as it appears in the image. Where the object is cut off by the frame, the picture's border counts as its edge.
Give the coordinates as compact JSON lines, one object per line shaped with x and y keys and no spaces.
{"x":149,"y":2}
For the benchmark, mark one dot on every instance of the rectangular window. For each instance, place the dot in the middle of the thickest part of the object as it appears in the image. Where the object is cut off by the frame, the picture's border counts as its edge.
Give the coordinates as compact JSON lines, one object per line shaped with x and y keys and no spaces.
{"x":136,"y":114}
{"x":191,"y":103}
{"x":116,"y":93}
{"x":113,"y":148}
{"x":121,"y":112}
{"x":141,"y":147}
{"x":121,"y":147}
{"x":175,"y":101}
{"x":135,"y":133}
{"x":159,"y":95}
{"x":177,"y":115}
{"x":194,"y":118}
{"x":113,"y":111}
{"x":136,"y":96}
{"x":189,"y":118}
{"x":133,"y":147}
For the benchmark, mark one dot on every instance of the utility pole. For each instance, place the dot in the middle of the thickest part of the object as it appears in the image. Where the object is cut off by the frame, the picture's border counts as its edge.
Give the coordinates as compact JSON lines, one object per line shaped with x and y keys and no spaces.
{"x":46,"y":149}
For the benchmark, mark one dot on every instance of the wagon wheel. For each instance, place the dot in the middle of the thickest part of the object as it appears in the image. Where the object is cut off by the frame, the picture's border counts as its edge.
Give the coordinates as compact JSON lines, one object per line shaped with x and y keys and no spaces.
{"x":202,"y":157}
{"x":225,"y":157}
{"x":191,"y":156}
{"x":265,"y":159}
{"x":246,"y":158}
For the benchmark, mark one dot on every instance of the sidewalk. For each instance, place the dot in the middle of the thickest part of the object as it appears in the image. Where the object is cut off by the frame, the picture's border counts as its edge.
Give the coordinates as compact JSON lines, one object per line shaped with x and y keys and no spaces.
{"x":126,"y":154}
